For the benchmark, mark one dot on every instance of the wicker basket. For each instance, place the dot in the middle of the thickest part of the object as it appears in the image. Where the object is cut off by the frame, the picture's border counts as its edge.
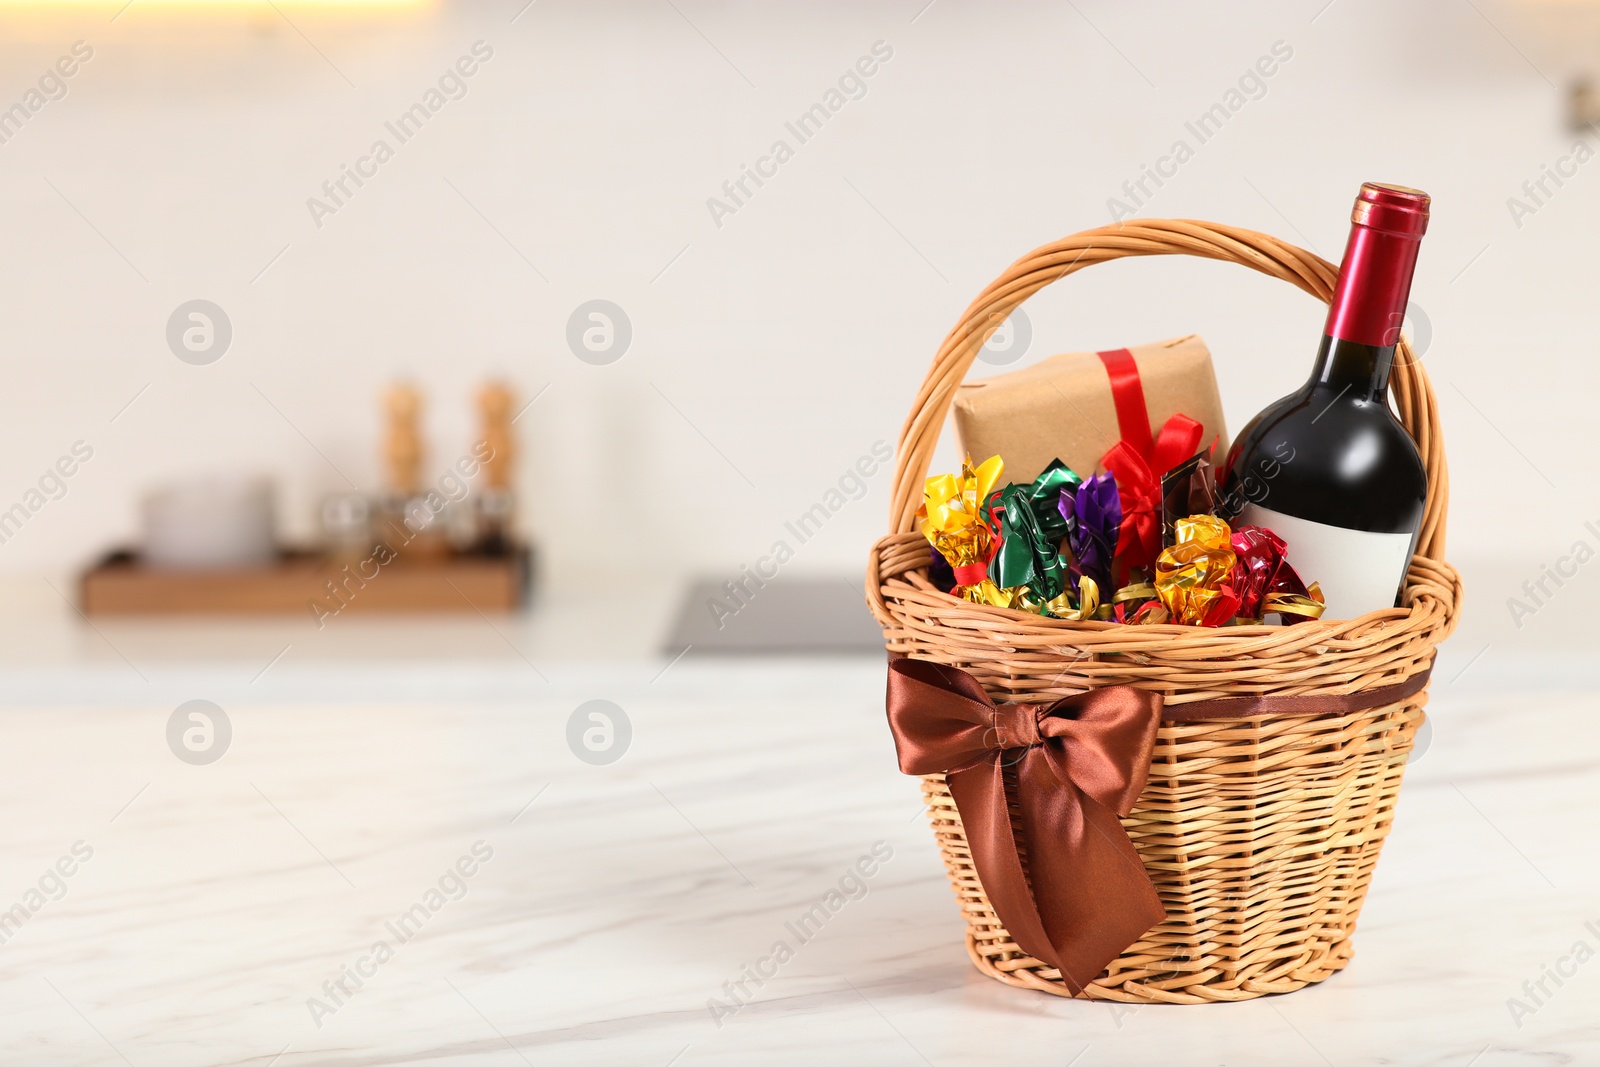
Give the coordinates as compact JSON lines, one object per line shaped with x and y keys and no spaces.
{"x":1260,"y":833}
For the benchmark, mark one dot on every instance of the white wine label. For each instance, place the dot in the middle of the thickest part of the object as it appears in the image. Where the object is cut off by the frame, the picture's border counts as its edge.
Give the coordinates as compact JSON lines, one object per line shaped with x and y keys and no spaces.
{"x":1359,"y":571}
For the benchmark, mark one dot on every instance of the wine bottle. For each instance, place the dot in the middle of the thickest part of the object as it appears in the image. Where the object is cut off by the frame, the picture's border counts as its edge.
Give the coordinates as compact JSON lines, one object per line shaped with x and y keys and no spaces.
{"x":1329,"y":468}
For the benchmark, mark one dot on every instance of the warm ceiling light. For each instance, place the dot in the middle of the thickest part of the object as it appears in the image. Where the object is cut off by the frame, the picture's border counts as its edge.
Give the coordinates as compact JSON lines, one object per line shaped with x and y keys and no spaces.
{"x":115,"y":4}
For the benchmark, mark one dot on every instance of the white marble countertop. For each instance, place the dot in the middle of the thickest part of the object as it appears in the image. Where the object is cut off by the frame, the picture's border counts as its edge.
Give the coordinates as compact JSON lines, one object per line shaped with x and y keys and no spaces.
{"x":220,"y":899}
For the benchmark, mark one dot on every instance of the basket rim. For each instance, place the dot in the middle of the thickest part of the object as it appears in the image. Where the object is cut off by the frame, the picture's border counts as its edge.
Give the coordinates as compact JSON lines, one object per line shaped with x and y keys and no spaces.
{"x":1018,"y":621}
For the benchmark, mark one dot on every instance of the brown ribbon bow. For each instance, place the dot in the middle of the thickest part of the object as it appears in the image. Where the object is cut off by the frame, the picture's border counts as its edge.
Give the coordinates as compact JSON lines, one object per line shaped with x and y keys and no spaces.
{"x":1082,"y":896}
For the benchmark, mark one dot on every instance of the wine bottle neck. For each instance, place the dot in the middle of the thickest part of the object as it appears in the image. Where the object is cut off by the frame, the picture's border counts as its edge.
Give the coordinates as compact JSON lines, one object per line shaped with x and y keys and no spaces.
{"x":1352,"y":369}
{"x":1369,"y":299}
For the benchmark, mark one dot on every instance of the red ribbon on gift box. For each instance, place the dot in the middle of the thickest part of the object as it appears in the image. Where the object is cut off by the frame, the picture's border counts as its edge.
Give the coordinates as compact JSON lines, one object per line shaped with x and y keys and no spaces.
{"x":1140,"y":459}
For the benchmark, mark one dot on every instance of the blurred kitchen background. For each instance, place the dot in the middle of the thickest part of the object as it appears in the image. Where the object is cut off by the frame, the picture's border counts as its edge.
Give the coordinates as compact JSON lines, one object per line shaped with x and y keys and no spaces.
{"x":233,"y":327}
{"x":773,"y":338}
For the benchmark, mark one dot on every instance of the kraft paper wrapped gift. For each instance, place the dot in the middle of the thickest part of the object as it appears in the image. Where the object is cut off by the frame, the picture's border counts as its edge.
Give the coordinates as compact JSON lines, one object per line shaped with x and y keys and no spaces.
{"x":1065,"y":406}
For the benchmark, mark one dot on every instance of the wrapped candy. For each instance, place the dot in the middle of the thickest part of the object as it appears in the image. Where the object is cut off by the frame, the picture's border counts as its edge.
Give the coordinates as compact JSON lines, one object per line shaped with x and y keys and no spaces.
{"x":1049,"y":547}
{"x":1187,"y":489}
{"x":1087,"y":606}
{"x":1192,"y":575}
{"x":1098,"y":513}
{"x":1028,"y":527}
{"x":953,"y":522}
{"x":1135,"y":602}
{"x":1006,"y":551}
{"x":1264,"y":581}
{"x":1150,"y":613}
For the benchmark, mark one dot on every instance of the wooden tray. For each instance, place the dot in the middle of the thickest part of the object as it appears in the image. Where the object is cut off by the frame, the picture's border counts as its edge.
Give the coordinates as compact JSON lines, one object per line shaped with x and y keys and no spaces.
{"x":120,"y":585}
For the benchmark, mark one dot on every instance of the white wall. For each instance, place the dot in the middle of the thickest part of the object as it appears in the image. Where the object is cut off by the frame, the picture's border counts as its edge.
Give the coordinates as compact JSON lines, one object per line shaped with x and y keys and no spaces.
{"x":792,"y":336}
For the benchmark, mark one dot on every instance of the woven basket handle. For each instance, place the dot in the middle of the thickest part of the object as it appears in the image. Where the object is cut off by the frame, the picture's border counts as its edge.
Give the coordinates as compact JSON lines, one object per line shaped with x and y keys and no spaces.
{"x":1408,"y":384}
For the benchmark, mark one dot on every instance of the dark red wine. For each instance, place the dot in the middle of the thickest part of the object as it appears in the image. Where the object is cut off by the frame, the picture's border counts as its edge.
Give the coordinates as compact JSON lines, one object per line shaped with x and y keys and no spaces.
{"x":1329,"y":468}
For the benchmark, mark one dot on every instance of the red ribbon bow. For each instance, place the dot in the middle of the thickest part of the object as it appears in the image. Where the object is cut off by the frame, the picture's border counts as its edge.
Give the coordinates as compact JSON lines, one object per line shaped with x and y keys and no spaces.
{"x":1139,"y":460}
{"x":1082,"y":896}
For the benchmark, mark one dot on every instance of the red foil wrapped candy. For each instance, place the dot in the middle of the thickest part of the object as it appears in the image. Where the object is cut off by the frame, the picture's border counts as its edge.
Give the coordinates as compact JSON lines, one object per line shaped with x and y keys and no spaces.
{"x":1264,"y":581}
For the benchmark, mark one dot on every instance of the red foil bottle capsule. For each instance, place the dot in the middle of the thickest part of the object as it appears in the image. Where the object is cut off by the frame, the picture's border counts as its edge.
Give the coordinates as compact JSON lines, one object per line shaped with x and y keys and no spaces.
{"x":1386,"y":228}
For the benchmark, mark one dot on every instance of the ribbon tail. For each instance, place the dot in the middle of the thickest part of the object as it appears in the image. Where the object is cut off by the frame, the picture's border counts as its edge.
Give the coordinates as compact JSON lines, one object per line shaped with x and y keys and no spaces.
{"x":1094,"y":897}
{"x":980,"y":796}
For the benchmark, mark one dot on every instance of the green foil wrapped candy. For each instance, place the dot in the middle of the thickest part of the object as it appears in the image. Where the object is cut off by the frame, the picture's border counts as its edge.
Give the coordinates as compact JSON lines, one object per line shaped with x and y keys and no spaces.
{"x":1029,"y":527}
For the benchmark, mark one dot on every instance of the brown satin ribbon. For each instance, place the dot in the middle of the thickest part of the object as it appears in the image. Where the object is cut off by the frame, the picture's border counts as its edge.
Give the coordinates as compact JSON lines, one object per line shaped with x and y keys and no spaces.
{"x":1304,"y":704}
{"x":1082,"y":895}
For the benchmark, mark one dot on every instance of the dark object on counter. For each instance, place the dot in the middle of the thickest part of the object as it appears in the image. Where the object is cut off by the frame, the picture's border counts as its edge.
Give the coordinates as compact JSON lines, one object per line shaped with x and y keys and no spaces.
{"x":818,"y":616}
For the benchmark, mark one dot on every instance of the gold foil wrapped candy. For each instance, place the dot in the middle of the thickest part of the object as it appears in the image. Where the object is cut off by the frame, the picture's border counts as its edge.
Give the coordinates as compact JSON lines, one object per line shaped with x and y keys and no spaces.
{"x":1191,"y":575}
{"x":952,"y":521}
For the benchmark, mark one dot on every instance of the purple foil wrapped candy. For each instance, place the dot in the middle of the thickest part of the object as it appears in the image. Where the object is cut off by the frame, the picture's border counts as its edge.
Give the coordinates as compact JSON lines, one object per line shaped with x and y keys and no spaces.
{"x":1098,"y":511}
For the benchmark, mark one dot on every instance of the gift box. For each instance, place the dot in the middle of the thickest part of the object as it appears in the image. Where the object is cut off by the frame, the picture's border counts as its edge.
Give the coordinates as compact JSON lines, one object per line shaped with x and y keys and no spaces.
{"x":1077,"y":406}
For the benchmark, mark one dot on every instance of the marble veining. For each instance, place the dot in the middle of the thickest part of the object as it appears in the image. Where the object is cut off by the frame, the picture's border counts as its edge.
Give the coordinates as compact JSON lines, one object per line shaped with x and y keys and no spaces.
{"x":617,"y":914}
